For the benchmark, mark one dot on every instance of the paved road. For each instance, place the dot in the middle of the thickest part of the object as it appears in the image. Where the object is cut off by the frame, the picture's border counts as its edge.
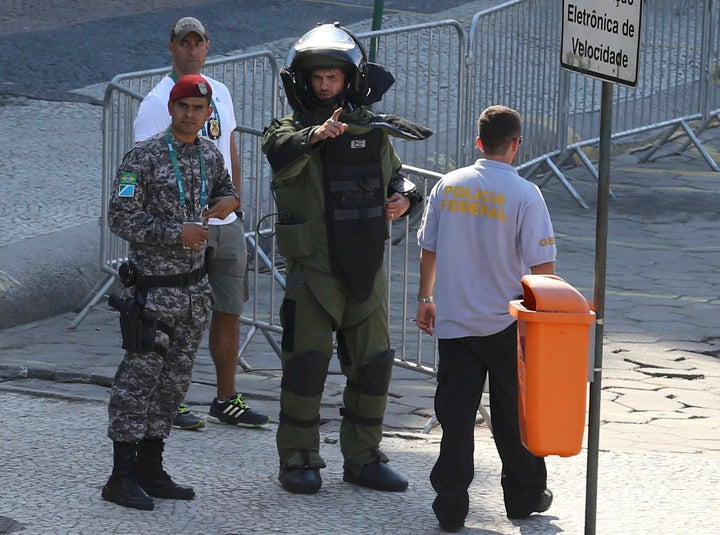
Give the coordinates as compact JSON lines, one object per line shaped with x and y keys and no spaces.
{"x":60,"y":459}
{"x":51,"y":48}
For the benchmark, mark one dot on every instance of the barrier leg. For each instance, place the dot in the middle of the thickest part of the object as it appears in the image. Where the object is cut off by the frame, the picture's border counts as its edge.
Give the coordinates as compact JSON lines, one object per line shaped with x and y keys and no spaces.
{"x":433,"y":422}
{"x":106,"y":285}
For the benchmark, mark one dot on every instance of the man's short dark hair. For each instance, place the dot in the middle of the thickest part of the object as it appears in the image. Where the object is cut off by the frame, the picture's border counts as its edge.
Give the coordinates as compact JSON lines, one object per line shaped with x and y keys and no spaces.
{"x":497,"y":127}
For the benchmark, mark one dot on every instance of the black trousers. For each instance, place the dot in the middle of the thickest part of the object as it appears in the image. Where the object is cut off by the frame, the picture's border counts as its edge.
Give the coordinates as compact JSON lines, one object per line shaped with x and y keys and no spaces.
{"x":464,"y":365}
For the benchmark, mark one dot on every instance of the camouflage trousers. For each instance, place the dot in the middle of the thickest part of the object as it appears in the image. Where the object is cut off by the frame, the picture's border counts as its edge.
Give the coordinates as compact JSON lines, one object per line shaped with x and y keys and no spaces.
{"x":148,"y":388}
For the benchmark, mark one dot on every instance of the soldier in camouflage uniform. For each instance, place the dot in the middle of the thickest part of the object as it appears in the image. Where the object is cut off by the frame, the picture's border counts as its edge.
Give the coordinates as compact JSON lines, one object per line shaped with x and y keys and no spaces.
{"x":336,"y":184}
{"x":159,"y":200}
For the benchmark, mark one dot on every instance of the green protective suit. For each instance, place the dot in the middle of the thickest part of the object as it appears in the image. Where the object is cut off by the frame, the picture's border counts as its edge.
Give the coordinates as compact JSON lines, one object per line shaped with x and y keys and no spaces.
{"x":319,"y":302}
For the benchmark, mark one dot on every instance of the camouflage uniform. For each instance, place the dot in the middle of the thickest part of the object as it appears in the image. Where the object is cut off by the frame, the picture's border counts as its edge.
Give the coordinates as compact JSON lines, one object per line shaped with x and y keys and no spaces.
{"x":149,"y":387}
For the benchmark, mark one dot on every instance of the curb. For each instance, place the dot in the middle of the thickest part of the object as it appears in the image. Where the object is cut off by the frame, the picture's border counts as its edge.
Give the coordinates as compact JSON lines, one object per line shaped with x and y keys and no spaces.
{"x":56,"y":375}
{"x":48,"y":275}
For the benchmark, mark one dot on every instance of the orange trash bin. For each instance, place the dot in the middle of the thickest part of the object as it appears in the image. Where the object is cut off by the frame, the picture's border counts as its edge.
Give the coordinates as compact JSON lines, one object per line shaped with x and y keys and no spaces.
{"x":553,"y":343}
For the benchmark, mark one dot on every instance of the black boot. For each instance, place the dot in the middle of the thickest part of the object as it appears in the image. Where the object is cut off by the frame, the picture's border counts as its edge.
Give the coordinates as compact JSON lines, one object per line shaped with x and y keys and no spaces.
{"x":300,"y":480}
{"x":122,"y":487}
{"x":377,"y":475}
{"x":151,"y":476}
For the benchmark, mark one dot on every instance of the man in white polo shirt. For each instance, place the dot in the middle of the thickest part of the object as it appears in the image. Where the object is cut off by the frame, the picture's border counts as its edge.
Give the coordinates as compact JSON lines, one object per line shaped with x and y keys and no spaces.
{"x":227,"y":258}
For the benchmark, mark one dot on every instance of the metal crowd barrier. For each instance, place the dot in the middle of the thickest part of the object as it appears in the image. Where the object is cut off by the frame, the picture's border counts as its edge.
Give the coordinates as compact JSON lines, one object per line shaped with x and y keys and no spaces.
{"x":513,"y":59}
{"x":444,"y":80}
{"x":427,"y":62}
{"x":253,"y":83}
{"x":266,"y":275}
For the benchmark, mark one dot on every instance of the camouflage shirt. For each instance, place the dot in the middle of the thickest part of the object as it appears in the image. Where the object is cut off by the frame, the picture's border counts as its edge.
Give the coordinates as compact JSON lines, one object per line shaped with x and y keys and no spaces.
{"x":145,"y":204}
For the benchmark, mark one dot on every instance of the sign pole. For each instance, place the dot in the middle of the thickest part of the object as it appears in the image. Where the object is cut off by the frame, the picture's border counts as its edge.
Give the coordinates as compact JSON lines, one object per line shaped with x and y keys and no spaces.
{"x":601,"y":232}
{"x":376,"y":25}
{"x":601,"y":40}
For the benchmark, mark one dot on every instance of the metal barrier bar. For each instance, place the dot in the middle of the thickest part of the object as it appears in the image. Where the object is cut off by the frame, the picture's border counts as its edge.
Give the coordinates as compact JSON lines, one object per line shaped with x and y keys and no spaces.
{"x":402,"y":257}
{"x":267,"y":281}
{"x":710,"y":90}
{"x":510,"y":56}
{"x":427,"y":62}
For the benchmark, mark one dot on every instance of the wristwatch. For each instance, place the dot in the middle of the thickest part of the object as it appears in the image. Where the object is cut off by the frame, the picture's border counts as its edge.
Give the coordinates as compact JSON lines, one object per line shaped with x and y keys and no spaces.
{"x":428,"y":299}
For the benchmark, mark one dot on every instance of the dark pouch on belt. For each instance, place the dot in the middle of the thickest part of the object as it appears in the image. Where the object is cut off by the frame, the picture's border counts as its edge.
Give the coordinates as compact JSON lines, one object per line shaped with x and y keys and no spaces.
{"x":137,"y":328}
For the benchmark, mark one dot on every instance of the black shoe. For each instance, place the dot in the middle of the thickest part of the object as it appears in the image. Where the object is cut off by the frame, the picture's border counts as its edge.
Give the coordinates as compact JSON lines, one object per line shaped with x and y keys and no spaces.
{"x":124,"y":490}
{"x":543,"y":504}
{"x":235,"y":412}
{"x":300,"y":480}
{"x":450,"y":523}
{"x":161,"y":485}
{"x":450,"y":527}
{"x":377,"y":475}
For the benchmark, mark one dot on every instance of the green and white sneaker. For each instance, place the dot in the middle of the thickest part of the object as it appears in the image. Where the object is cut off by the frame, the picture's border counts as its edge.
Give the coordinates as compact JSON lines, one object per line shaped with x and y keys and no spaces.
{"x":235,"y":412}
{"x":186,"y":420}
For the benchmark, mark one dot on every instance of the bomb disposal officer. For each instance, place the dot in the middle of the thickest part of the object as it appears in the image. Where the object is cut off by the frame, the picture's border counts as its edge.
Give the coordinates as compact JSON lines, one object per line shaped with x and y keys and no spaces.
{"x":336,"y":184}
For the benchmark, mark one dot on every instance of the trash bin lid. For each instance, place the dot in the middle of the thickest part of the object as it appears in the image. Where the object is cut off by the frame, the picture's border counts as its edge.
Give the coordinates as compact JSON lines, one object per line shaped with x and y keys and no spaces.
{"x":550,"y":293}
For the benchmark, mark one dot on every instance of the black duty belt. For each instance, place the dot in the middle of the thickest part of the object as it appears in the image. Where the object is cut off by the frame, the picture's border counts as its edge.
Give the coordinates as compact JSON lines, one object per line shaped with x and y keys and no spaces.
{"x":179,"y":280}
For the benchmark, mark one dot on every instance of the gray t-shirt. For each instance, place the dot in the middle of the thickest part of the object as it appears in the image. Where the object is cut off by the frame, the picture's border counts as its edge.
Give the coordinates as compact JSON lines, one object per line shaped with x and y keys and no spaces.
{"x":487,"y":226}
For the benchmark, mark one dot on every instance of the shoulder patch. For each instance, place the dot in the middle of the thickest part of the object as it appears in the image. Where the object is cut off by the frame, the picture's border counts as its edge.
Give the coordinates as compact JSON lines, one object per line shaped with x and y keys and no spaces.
{"x":128,"y":181}
{"x":128,"y":178}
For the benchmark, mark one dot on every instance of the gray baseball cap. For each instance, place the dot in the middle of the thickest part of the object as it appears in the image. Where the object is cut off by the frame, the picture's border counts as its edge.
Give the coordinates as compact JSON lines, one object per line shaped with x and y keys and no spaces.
{"x":187,"y":25}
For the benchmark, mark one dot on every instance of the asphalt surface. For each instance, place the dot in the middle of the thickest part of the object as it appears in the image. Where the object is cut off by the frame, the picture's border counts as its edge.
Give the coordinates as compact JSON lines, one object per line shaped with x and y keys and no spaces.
{"x":49,"y":49}
{"x":660,"y":415}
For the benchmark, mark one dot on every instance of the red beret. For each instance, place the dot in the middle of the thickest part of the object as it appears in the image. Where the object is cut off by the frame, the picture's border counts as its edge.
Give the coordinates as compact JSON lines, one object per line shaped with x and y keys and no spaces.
{"x":190,"y":85}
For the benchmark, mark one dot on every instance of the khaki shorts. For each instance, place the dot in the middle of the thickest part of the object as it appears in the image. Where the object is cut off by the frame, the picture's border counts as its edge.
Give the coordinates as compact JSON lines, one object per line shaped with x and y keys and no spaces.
{"x":228,"y":267}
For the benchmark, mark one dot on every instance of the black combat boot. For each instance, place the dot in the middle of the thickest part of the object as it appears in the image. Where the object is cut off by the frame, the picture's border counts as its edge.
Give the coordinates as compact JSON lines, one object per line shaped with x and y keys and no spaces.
{"x":377,"y":475}
{"x":122,"y":487}
{"x":300,"y":480}
{"x":151,"y":476}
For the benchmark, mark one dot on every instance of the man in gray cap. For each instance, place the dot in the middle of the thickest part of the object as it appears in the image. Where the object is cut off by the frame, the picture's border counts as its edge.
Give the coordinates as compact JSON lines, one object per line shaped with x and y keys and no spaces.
{"x":227,"y":250}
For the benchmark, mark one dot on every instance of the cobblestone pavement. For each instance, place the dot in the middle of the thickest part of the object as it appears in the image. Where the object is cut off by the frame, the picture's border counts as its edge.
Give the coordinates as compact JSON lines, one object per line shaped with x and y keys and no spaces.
{"x":55,"y":170}
{"x":60,"y":459}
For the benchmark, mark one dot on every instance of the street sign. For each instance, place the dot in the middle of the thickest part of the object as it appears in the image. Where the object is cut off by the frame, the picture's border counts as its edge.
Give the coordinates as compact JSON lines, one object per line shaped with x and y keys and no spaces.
{"x":601,"y":38}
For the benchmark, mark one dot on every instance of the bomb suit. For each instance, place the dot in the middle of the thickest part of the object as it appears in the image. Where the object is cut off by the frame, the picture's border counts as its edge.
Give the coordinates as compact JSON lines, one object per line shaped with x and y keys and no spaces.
{"x":331,"y":227}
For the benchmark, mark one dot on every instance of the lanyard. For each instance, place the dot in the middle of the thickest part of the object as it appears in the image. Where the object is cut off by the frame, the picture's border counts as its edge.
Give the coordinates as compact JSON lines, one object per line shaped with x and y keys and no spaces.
{"x":216,"y":115}
{"x":178,"y":175}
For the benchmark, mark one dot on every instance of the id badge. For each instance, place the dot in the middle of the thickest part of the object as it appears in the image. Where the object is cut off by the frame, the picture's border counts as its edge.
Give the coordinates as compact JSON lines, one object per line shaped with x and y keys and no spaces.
{"x":213,"y":128}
